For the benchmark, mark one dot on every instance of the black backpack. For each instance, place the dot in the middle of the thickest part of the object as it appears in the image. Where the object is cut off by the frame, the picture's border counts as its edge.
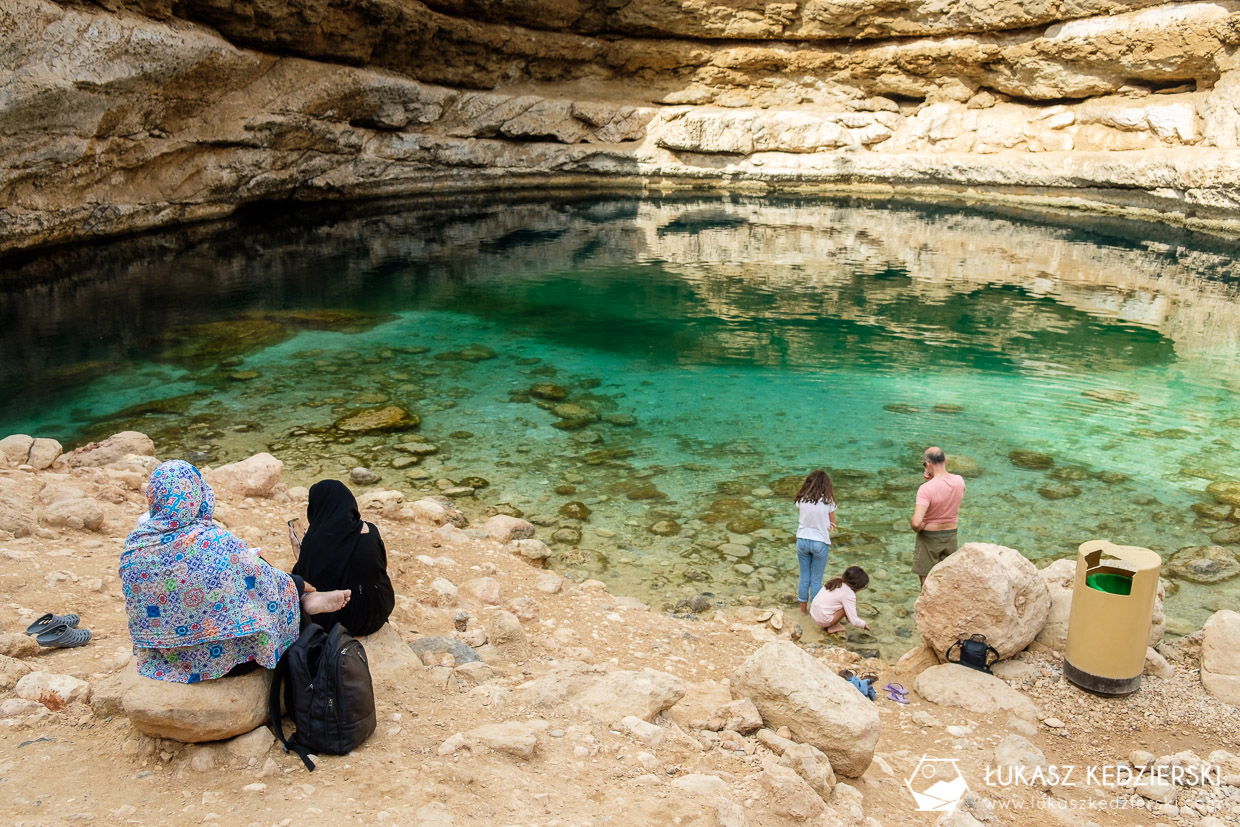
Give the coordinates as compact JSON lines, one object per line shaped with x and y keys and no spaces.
{"x":327,"y":693}
{"x":973,"y":652}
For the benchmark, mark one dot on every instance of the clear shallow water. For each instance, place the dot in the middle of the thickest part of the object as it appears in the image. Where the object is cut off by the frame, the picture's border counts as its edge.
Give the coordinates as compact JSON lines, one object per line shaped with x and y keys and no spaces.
{"x":712,"y":348}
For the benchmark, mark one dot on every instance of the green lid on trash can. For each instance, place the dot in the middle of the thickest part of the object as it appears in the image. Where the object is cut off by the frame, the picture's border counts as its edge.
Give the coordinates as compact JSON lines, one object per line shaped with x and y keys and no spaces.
{"x":1110,"y":583}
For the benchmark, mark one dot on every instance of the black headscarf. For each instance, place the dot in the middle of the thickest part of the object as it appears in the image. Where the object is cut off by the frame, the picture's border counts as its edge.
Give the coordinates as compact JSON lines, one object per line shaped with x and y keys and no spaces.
{"x":333,"y":536}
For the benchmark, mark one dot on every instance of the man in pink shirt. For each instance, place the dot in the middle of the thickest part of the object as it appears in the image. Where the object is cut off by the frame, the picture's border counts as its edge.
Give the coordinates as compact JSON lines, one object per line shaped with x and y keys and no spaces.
{"x":934,"y":518}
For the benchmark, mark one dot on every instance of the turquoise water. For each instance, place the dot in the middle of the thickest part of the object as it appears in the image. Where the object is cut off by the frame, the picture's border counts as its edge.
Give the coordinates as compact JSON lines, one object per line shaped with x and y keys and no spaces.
{"x":712,"y":349}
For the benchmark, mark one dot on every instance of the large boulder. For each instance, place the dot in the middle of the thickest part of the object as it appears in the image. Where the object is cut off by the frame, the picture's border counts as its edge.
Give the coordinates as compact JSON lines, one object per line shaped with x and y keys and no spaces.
{"x":791,"y":688}
{"x":1220,"y":656}
{"x":78,"y":514}
{"x":113,"y":449}
{"x":607,"y":697}
{"x":196,"y":712}
{"x":987,"y":589}
{"x":15,"y":449}
{"x":1060,"y":579}
{"x":43,"y":453}
{"x":950,"y":684}
{"x":254,"y":476}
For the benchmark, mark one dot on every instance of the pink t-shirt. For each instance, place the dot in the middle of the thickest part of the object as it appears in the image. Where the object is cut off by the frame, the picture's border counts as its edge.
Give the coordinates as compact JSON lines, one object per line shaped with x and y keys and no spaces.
{"x":829,"y":601}
{"x":941,"y":496}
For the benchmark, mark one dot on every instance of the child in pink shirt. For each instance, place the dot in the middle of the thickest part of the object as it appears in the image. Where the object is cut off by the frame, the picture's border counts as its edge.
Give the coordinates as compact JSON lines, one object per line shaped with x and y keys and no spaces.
{"x":838,"y":600}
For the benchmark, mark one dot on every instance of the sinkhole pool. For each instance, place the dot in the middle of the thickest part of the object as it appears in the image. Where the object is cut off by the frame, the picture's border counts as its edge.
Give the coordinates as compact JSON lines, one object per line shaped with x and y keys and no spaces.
{"x":649,"y":380}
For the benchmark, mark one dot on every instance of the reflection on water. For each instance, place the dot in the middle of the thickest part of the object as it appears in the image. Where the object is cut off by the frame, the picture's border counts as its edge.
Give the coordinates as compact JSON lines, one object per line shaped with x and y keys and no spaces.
{"x":676,"y":367}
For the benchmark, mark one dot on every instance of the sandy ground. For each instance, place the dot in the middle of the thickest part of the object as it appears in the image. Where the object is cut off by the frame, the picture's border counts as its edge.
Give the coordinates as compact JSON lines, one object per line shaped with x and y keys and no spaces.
{"x":86,"y":763}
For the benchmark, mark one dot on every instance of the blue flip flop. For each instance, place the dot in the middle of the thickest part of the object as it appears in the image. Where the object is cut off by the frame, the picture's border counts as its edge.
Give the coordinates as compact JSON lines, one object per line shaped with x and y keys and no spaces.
{"x":49,"y":620}
{"x":63,"y":636}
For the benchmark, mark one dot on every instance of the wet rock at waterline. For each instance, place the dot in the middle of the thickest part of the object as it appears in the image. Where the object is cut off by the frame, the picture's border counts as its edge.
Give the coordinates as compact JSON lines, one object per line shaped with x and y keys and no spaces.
{"x":1204,"y":564}
{"x":254,"y":476}
{"x":363,"y":476}
{"x":378,"y":421}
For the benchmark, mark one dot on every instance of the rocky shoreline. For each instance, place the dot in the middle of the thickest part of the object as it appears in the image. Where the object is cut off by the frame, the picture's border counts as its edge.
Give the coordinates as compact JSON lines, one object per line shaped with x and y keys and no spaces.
{"x":527,"y":697}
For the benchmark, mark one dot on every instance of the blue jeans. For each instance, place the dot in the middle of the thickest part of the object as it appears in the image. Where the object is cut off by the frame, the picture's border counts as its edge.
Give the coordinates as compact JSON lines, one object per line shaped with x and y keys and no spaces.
{"x":812,"y":558}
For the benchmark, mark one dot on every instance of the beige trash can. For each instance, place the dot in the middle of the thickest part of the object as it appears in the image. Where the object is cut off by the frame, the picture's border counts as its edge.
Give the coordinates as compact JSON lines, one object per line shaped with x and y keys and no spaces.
{"x":1109,"y":625}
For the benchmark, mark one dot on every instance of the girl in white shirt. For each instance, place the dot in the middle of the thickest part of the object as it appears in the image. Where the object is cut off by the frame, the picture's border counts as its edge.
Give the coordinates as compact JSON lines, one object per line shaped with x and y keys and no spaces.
{"x":838,"y":600}
{"x":816,"y":506}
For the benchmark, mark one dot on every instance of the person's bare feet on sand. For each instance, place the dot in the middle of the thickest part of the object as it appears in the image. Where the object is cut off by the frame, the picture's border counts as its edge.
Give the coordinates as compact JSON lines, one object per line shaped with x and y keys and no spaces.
{"x":319,"y":603}
{"x":835,"y":629}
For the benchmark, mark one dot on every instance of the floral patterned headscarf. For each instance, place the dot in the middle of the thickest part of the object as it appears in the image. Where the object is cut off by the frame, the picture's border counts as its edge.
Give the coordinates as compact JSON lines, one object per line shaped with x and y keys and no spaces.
{"x":188,"y":581}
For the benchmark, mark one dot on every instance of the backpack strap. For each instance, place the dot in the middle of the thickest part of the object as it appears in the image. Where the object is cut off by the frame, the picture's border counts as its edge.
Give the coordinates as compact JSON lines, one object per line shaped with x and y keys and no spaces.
{"x":947,"y":656}
{"x":279,"y":676}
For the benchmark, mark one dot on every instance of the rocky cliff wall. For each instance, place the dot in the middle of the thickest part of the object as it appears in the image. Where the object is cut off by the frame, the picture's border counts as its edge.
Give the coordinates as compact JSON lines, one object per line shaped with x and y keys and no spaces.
{"x":132,"y":114}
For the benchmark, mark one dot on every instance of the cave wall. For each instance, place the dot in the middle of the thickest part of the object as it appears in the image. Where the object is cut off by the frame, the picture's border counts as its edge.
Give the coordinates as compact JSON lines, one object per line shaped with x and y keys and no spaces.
{"x":131,"y":114}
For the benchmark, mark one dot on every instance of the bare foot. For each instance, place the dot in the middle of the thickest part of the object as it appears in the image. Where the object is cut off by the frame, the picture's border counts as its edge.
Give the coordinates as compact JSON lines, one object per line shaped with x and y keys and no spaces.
{"x":835,"y":629}
{"x":318,"y":603}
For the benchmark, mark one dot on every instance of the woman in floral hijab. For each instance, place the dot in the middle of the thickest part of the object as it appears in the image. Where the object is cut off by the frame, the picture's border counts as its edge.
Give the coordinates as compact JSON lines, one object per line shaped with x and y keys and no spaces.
{"x":199,"y":601}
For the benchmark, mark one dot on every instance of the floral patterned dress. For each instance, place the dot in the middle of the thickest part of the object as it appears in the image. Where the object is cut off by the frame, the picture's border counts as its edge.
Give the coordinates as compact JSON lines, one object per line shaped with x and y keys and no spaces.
{"x":199,"y":600}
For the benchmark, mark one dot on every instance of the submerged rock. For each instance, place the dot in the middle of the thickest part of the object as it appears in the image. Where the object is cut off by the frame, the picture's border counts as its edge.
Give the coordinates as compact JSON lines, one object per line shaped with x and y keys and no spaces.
{"x":575,"y":510}
{"x":549,"y":391}
{"x":901,"y":408}
{"x":378,"y":421}
{"x":665,"y":528}
{"x":1059,"y":491}
{"x":1226,"y":492}
{"x":1110,"y":395}
{"x":1033,"y":460}
{"x":1204,"y":564}
{"x":203,"y":345}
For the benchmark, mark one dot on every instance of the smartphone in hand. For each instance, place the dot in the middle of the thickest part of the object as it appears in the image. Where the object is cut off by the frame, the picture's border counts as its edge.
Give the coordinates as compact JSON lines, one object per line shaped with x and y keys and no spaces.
{"x":293,"y":539}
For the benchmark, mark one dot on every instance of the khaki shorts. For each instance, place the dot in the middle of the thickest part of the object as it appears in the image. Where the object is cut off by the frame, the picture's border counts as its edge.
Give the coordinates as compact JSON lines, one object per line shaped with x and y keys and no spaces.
{"x":932,"y":547}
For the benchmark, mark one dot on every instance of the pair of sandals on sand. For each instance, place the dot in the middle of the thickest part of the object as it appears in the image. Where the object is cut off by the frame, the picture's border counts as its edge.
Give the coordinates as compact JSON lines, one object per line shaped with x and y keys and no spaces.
{"x":895,"y":692}
{"x":58,"y":631}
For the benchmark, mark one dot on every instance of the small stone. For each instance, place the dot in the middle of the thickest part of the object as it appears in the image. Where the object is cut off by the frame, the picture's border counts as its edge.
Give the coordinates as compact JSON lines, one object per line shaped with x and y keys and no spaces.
{"x":49,"y":688}
{"x":254,"y":788}
{"x":363,"y":476}
{"x":1053,"y":723}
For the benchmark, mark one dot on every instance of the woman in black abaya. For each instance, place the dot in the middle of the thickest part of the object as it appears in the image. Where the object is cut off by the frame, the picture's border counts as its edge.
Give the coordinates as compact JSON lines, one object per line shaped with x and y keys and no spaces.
{"x":340,"y":551}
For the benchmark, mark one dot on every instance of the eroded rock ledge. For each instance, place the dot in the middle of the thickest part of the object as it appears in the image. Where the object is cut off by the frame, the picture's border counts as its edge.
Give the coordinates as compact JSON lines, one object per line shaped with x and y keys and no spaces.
{"x":152,"y":112}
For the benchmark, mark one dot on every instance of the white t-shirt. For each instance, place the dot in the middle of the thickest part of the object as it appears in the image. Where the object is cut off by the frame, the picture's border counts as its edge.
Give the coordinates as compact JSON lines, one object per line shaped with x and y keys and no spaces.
{"x":815,"y":521}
